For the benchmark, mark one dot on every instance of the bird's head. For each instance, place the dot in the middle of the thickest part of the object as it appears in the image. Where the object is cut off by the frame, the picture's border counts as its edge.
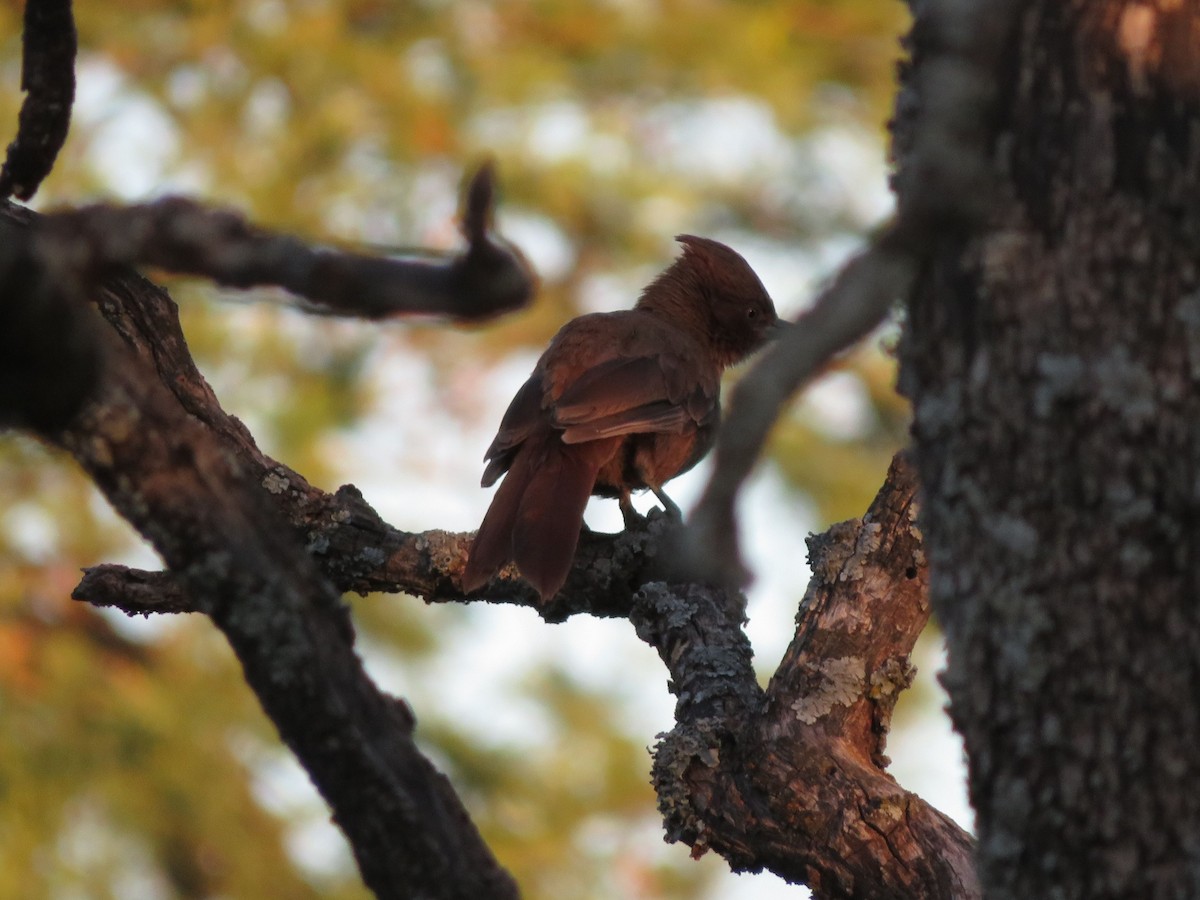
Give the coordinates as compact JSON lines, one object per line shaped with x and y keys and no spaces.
{"x":713,"y":289}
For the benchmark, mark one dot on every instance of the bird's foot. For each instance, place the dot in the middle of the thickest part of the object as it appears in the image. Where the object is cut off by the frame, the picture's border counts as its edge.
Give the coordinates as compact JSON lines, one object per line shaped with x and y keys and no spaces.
{"x":672,"y":510}
{"x":633,"y":518}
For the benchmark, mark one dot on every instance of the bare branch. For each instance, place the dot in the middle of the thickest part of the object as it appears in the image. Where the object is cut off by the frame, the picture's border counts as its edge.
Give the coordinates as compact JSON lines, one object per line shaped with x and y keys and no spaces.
{"x":360,"y":552}
{"x":48,"y":78}
{"x":847,"y":311}
{"x":180,"y":235}
{"x":133,"y":591}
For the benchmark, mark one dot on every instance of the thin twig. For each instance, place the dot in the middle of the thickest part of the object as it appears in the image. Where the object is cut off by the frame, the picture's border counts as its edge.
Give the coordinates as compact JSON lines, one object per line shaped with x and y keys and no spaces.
{"x":847,"y":311}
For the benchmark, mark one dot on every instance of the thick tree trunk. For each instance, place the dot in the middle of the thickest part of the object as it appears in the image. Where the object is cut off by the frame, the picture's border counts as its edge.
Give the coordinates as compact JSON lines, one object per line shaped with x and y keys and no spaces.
{"x":1054,"y":366}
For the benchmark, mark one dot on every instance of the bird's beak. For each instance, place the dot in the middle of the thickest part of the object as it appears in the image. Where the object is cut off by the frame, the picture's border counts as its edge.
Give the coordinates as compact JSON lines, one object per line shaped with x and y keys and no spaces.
{"x":776,"y":330}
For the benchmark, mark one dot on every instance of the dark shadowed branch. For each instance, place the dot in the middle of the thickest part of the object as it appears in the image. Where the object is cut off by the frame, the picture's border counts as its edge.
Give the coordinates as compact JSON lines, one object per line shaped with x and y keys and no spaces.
{"x":48,"y":79}
{"x":49,"y":351}
{"x":486,"y":279}
{"x":176,"y":481}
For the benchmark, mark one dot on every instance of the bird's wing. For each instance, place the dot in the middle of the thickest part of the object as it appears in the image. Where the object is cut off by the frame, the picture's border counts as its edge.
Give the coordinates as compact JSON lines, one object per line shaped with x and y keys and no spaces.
{"x":519,"y":420}
{"x":629,"y":395}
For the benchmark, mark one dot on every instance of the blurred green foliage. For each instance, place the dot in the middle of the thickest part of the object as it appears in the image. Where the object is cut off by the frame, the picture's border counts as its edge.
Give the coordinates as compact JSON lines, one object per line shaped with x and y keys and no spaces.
{"x":133,"y":761}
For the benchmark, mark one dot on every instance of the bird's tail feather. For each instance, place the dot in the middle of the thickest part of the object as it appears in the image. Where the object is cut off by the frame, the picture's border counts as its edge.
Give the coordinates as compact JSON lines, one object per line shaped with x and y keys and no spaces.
{"x":546,"y":532}
{"x":537,"y":513}
{"x":492,"y":547}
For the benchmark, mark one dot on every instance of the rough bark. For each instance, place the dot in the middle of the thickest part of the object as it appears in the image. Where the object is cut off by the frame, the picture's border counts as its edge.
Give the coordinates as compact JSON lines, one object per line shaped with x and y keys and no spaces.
{"x":1053,"y":363}
{"x":794,"y":779}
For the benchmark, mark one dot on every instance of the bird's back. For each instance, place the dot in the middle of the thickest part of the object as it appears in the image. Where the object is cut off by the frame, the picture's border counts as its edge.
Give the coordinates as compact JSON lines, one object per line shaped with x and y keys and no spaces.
{"x":627,"y":374}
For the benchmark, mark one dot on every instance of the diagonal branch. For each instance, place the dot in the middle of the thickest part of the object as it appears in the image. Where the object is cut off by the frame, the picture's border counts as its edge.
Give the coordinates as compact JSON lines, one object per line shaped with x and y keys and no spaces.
{"x":239,"y":564}
{"x":48,"y":79}
{"x":185,"y":485}
{"x":790,"y":779}
{"x":846,"y":312}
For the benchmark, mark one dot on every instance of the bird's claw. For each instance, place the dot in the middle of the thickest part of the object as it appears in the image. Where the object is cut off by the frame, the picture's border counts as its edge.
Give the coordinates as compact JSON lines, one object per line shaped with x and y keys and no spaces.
{"x":670,"y":508}
{"x":633,"y":519}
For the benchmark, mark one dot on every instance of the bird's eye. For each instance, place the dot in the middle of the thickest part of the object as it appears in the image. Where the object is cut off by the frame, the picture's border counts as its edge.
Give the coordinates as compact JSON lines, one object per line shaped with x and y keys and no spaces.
{"x":751,"y":313}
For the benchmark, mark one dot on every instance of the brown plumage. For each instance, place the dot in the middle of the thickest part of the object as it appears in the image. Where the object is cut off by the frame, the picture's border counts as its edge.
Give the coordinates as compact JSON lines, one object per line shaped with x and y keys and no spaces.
{"x":619,"y":402}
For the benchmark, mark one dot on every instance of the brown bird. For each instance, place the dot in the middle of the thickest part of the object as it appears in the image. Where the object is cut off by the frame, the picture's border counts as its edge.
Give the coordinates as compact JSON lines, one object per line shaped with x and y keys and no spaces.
{"x":619,"y":402}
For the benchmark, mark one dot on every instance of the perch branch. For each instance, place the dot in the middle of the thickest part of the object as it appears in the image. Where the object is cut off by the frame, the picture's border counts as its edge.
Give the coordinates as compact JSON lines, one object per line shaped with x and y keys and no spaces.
{"x":360,"y":552}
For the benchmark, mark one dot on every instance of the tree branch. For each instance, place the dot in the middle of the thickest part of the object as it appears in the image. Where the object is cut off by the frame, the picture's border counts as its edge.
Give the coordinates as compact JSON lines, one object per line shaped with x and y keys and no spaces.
{"x":186,"y":486}
{"x":49,"y":353}
{"x":847,"y":311}
{"x":48,"y":78}
{"x":360,"y":552}
{"x":486,"y":279}
{"x":236,"y":560}
{"x":793,"y":780}
{"x":945,"y":189}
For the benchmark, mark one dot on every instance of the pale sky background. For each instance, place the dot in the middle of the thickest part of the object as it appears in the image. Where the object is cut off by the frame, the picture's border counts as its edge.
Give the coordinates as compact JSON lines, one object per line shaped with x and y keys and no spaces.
{"x":417,"y":455}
